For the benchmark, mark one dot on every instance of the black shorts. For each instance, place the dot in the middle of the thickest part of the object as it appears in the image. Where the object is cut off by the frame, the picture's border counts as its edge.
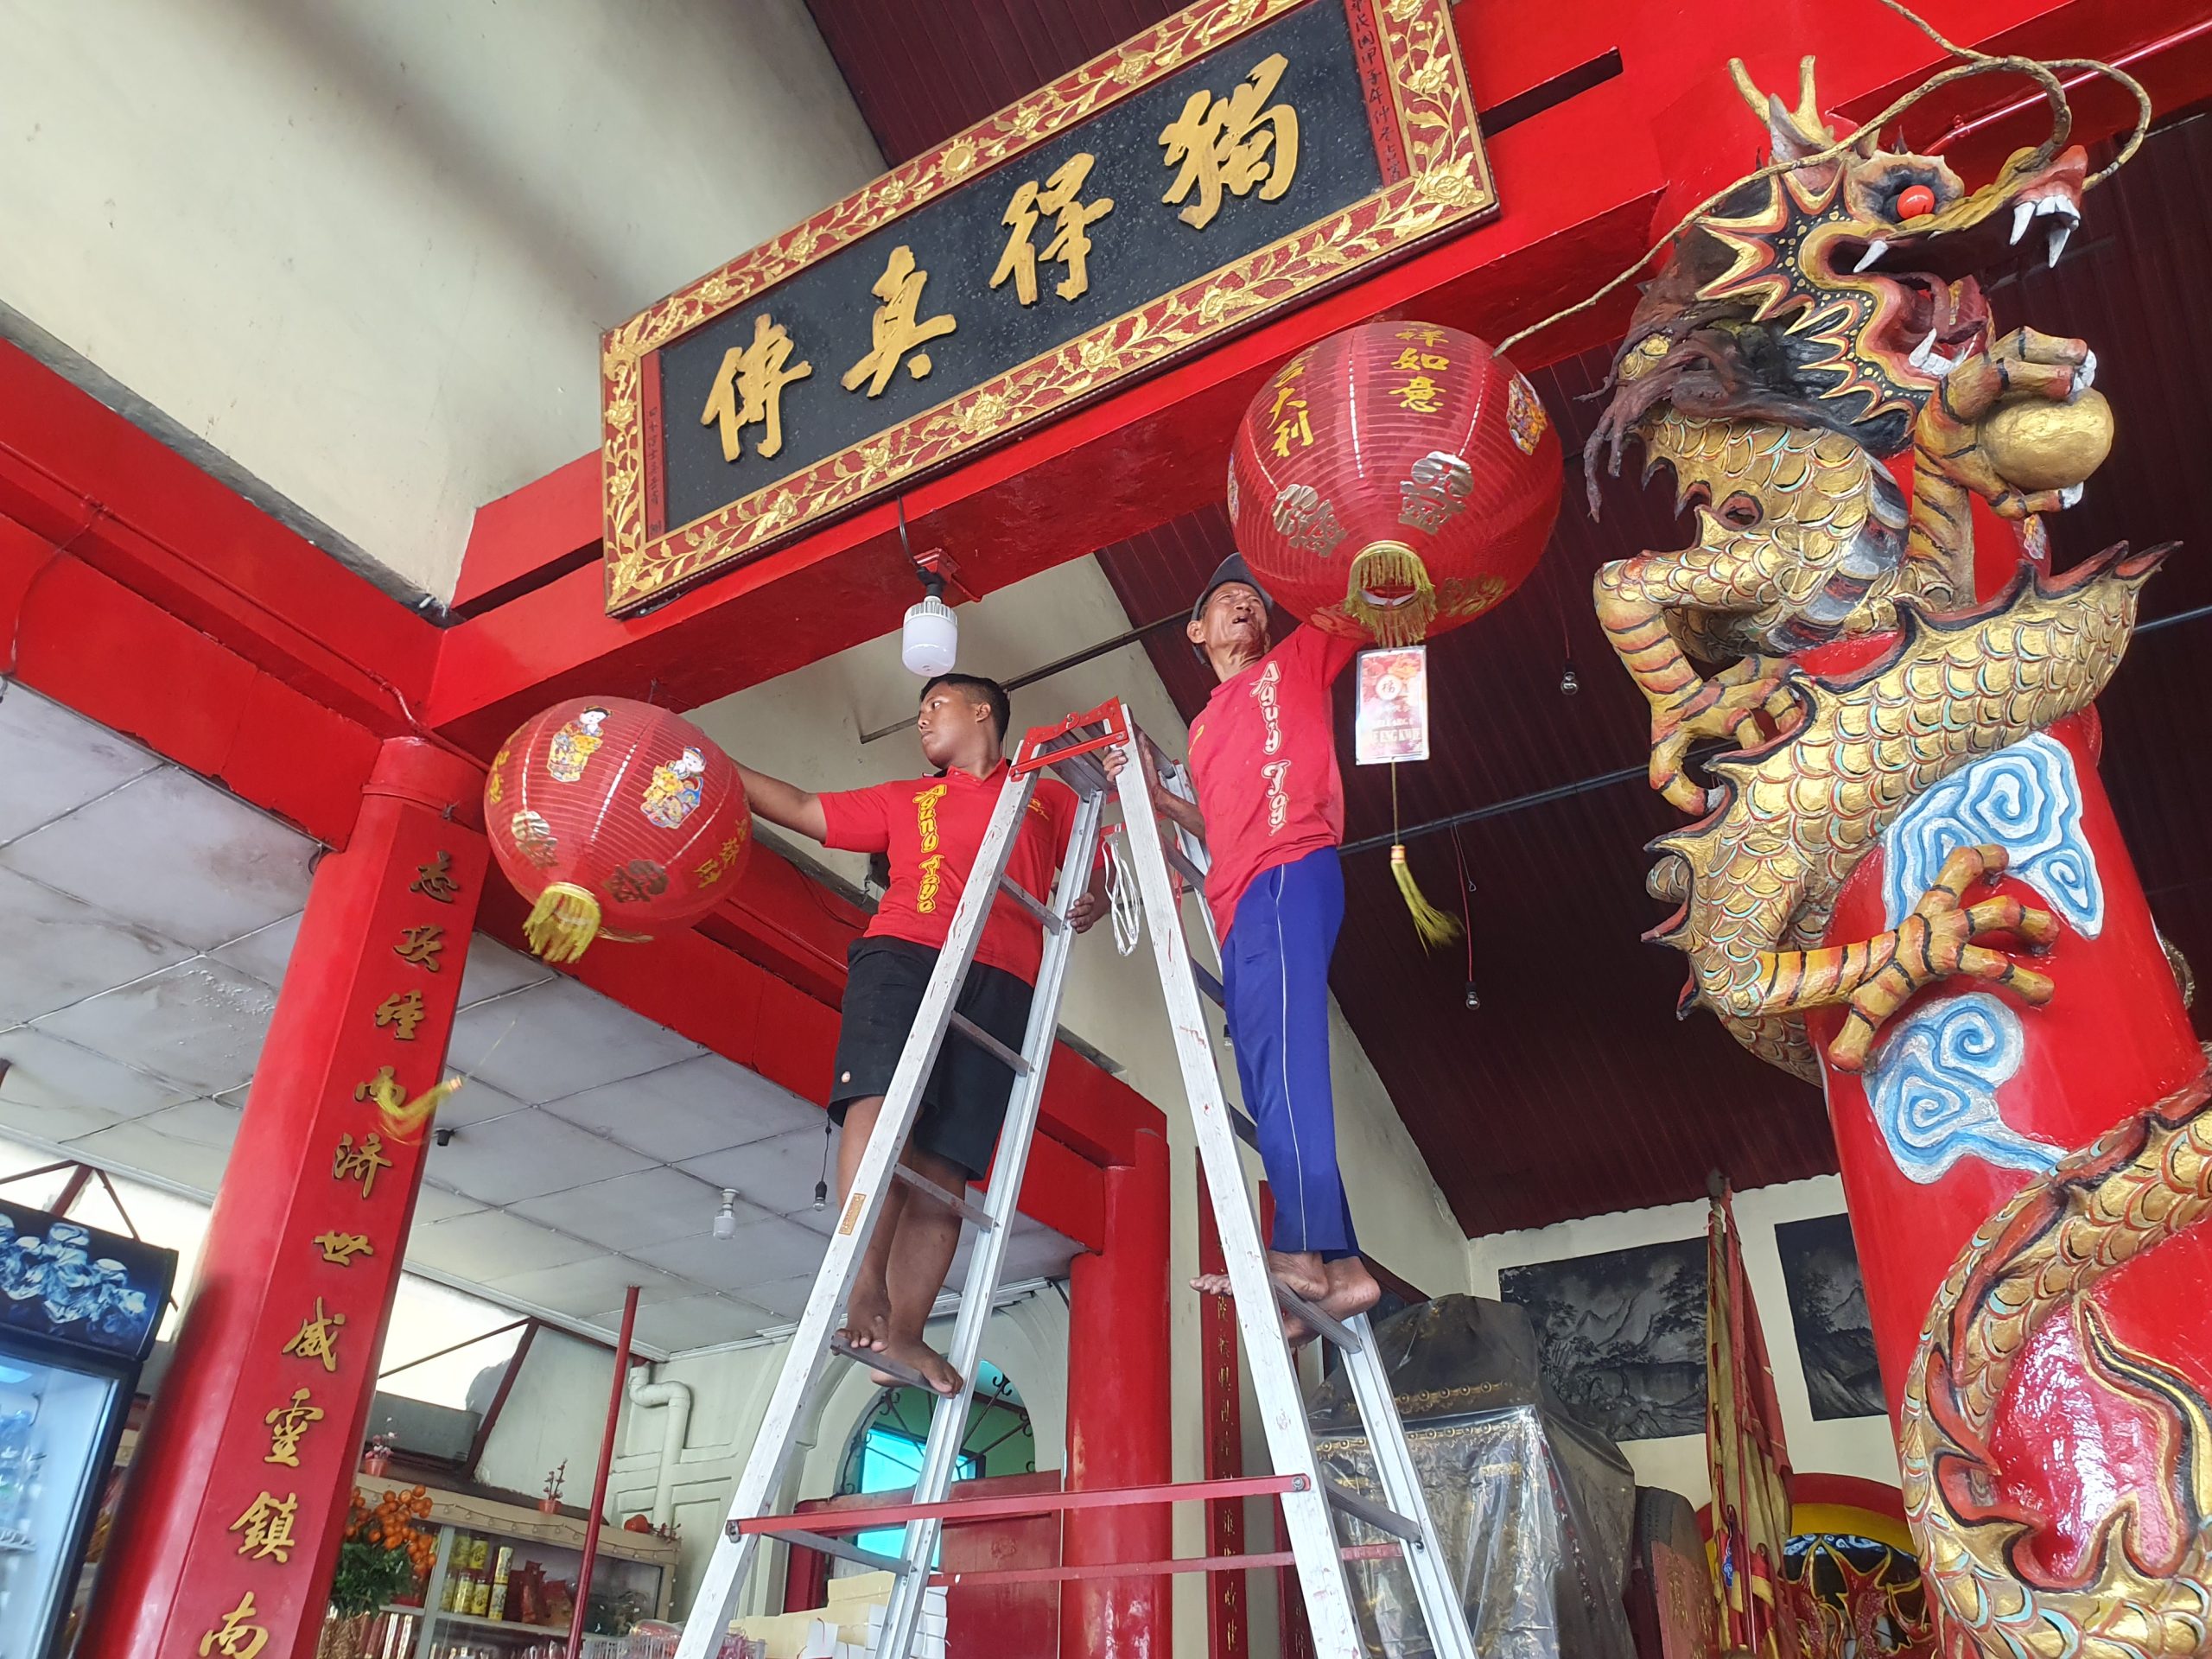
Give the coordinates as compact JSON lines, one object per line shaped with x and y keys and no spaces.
{"x":965,"y":1103}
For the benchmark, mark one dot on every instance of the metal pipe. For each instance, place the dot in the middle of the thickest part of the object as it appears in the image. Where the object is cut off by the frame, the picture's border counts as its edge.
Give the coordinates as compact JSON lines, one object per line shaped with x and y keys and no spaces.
{"x":606,"y":1465}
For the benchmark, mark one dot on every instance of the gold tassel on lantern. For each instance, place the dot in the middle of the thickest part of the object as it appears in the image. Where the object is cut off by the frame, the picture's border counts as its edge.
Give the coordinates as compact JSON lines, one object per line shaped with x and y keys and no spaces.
{"x":564,"y":921}
{"x":1391,"y":568}
{"x":1435,"y":926}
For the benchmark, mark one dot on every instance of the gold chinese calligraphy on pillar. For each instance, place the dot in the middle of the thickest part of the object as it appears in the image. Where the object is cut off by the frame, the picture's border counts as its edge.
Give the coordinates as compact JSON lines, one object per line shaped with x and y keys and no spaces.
{"x":748,"y":389}
{"x":435,"y":880}
{"x":361,"y":1163}
{"x":420,"y":947}
{"x":234,"y":1638}
{"x":318,"y":1338}
{"x":287,"y":1426}
{"x":1062,"y":197}
{"x":895,"y":331}
{"x":1232,"y":144}
{"x":267,"y":1528}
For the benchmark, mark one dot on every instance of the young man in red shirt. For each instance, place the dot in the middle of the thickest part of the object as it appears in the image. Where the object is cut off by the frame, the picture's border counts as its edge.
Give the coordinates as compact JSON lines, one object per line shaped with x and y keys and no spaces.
{"x":1271,"y":811}
{"x":932,"y":829}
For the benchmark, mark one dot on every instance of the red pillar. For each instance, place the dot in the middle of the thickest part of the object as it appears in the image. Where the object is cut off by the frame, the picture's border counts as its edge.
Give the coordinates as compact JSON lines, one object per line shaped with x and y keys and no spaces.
{"x":230,"y":1526}
{"x":1119,"y":1417}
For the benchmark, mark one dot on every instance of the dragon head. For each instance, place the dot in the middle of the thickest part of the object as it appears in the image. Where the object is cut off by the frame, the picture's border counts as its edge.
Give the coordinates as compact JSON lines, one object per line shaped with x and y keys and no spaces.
{"x":1836,"y":293}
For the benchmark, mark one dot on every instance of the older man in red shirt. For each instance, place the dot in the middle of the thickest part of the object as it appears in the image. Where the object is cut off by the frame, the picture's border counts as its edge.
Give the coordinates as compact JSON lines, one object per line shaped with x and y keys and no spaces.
{"x":1271,"y":811}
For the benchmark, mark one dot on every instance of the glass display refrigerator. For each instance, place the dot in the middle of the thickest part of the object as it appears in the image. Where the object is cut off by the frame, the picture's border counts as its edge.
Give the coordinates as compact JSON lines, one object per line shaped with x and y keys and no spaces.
{"x":78,"y":1312}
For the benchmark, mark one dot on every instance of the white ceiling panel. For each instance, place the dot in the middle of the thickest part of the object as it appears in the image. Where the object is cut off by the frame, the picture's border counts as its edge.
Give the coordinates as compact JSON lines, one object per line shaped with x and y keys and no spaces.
{"x":264,"y":952}
{"x":133,"y":1148}
{"x":56,"y":949}
{"x":785,"y":1298}
{"x":56,"y":761}
{"x":559,"y":1039}
{"x":199,"y":1024}
{"x":475,"y":1102}
{"x":778,"y":1174}
{"x":52,"y":1121}
{"x":174,"y":854}
{"x":44,"y":1070}
{"x":683,"y":1111}
{"x":1033,"y":1251}
{"x":588,"y":1287}
{"x":691,"y":1322}
{"x":493,"y":971}
{"x":649,"y":1207}
{"x":207,"y":1123}
{"x":524,"y":1155}
{"x":763,"y":1251}
{"x":436,"y":1203}
{"x":492,"y":1244}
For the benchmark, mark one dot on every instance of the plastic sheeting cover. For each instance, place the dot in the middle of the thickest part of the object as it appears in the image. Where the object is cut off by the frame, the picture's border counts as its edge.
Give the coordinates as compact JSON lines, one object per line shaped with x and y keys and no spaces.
{"x":1535,"y":1511}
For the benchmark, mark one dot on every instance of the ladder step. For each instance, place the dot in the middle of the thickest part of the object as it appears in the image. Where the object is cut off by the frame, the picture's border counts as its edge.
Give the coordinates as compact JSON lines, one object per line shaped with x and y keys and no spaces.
{"x":1315,"y":1320}
{"x":969,"y":1212}
{"x":890,"y":1367}
{"x":1036,"y":907}
{"x":1211,"y":986}
{"x":1193,"y":877}
{"x":1363,"y":1508}
{"x":845,"y":1549}
{"x":990,"y":1045}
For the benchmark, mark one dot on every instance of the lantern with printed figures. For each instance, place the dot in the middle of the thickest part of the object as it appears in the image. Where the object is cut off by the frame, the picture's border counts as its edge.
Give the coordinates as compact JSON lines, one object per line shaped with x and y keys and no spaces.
{"x":1395,"y":479}
{"x":617,"y":818}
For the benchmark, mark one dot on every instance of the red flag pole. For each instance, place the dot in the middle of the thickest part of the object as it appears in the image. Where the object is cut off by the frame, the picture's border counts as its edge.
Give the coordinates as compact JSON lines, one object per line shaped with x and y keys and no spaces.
{"x":599,"y":1480}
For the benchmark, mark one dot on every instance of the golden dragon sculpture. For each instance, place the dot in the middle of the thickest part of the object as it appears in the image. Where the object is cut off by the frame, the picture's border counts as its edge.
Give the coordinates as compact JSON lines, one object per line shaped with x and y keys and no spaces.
{"x":1815,"y":325}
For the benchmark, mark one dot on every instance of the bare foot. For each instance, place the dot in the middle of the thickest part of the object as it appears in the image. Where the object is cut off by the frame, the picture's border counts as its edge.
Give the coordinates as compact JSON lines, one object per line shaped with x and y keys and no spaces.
{"x":1302,"y":1274}
{"x":936,"y":1370}
{"x":1352,"y":1289}
{"x":868,"y":1318}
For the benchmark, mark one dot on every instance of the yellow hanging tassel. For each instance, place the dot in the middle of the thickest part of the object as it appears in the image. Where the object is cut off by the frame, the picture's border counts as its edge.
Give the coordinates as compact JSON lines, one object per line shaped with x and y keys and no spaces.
{"x":1434,"y":926}
{"x":564,"y":921}
{"x":404,"y":1122}
{"x":1390,"y":595}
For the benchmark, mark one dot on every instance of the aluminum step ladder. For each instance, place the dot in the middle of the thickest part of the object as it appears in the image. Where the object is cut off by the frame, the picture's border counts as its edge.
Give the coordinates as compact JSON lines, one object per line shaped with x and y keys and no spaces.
{"x":1074,"y":751}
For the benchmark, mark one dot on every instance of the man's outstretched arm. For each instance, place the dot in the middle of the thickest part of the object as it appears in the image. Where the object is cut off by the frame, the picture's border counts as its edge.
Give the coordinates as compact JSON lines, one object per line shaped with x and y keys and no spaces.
{"x":785,"y":805}
{"x":1183,"y":815}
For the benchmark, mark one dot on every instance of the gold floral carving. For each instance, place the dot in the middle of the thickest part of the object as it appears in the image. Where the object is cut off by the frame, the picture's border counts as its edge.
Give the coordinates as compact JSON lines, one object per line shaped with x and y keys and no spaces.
{"x":1447,"y":182}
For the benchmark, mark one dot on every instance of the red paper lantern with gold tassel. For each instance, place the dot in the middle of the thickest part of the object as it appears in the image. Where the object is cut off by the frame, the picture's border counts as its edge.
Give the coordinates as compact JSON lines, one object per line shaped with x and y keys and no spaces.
{"x":615,"y":817}
{"x":1395,"y":480}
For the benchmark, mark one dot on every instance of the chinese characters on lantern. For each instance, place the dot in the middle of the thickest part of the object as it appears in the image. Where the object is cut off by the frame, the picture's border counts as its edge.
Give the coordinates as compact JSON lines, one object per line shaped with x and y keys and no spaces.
{"x":728,"y":858}
{"x":1411,"y":383}
{"x":1222,"y":146}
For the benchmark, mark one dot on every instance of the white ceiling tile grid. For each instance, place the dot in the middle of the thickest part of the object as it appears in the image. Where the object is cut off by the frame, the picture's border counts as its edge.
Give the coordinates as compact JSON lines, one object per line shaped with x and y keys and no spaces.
{"x":57,"y":760}
{"x":558,"y":1039}
{"x":199,"y":1024}
{"x":526,"y":1155}
{"x":688,"y":1109}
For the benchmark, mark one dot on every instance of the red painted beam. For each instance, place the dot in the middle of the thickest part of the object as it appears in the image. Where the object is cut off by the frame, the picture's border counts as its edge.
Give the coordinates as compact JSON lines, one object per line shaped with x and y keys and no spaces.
{"x":80,"y":475}
{"x":82,"y":638}
{"x":1578,"y":184}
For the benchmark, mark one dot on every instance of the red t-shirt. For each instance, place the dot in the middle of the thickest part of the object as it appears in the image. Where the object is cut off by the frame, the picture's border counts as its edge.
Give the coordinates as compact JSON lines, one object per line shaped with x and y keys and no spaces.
{"x":932,"y":828}
{"x":1263,"y":755}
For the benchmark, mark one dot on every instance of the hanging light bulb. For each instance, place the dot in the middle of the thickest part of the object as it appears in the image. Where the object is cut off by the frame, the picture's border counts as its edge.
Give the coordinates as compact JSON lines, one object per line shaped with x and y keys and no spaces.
{"x":1568,"y":686}
{"x":930,"y":636}
{"x":726,"y":1217}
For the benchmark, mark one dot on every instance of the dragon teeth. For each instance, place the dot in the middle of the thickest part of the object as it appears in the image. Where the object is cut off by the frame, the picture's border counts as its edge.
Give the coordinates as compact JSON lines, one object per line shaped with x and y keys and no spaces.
{"x":1922,"y":352}
{"x":2069,"y":495}
{"x":2059,"y":232}
{"x":1875,"y":249}
{"x":2022,"y":213}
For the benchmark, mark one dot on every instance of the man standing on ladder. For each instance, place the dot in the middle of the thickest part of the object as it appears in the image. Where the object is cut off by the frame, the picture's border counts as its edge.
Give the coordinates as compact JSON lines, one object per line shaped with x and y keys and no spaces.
{"x":1271,"y":811}
{"x":932,"y":829}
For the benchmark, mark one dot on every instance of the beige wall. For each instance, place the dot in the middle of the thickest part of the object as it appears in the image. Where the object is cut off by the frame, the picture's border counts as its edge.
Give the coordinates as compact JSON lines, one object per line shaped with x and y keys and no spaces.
{"x":1859,"y":1446}
{"x":365,"y":251}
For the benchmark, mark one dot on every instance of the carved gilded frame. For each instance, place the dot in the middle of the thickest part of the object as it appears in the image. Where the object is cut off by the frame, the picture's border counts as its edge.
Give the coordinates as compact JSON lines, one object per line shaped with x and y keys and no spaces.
{"x":1409,"y":45}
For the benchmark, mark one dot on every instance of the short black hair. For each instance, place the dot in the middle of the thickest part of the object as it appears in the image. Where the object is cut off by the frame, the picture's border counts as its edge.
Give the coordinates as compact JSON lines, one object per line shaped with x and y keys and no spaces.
{"x":990,"y":693}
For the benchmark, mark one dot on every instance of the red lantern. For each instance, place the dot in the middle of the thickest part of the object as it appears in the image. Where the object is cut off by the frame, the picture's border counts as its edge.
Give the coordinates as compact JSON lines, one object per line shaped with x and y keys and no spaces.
{"x":616,"y":816}
{"x":1396,"y":479}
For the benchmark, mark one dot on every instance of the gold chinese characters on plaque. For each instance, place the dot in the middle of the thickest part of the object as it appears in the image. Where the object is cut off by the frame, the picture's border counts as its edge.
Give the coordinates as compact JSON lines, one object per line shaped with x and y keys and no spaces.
{"x":1214,"y":170}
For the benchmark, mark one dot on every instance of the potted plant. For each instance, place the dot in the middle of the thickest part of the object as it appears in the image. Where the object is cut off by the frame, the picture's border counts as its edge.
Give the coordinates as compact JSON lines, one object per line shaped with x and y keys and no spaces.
{"x":555,"y":1479}
{"x":384,"y":1555}
{"x":376,"y":1456}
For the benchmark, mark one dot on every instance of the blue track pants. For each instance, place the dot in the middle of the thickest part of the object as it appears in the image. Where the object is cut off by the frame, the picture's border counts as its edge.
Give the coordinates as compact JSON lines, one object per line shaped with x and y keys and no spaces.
{"x":1276,"y":972}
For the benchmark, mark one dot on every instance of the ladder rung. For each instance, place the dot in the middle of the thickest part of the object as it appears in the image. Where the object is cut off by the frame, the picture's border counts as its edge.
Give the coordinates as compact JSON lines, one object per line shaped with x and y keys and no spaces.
{"x":895,"y":1369}
{"x":1244,"y":1129}
{"x":1316,"y":1321}
{"x":1364,"y":1508}
{"x":1193,"y":877}
{"x":1083,"y":774}
{"x":844,"y":1549}
{"x":1036,"y":907}
{"x":1211,"y":986}
{"x":990,"y":1045}
{"x":959,"y":1206}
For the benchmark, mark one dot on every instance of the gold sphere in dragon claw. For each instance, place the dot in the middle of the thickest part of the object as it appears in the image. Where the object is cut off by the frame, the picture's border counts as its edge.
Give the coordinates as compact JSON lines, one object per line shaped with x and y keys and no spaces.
{"x":2036,"y":444}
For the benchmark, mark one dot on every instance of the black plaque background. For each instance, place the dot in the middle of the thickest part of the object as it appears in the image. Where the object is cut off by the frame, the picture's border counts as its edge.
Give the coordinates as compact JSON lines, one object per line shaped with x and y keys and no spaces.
{"x":1620,"y":1336}
{"x":1139,"y":251}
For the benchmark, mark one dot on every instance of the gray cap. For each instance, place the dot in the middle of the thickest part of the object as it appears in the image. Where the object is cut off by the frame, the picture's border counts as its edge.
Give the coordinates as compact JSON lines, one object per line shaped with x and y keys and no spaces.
{"x":1233,"y":568}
